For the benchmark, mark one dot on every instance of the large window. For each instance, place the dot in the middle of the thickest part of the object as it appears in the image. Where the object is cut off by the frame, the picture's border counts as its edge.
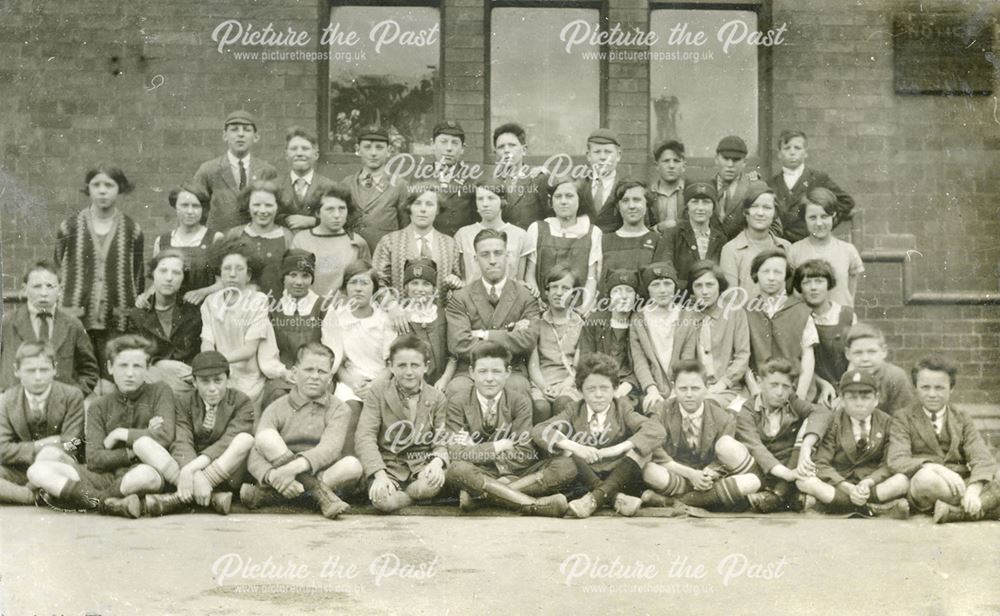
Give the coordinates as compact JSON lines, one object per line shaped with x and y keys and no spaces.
{"x":699,"y":94}
{"x":555,"y":95}
{"x":389,"y":76}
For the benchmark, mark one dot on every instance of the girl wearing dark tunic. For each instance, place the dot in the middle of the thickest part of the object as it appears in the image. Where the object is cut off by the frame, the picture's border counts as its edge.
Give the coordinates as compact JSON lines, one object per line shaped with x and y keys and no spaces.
{"x":427,"y":320}
{"x":267,"y":239}
{"x":633,"y":245}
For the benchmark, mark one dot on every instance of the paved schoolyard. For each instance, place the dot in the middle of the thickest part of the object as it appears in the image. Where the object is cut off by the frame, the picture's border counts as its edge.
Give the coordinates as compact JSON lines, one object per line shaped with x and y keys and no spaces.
{"x":57,"y":563}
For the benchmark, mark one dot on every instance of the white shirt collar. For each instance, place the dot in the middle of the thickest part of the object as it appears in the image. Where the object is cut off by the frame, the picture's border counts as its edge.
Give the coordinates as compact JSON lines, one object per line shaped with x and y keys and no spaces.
{"x":235,"y":162}
{"x":499,"y":286}
{"x":602,"y":417}
{"x":41,"y":398}
{"x":307,"y":177}
{"x":33,"y":311}
{"x":581,"y":226}
{"x":484,"y":401}
{"x":795,"y":173}
{"x":695,"y":416}
{"x":940,"y":413}
{"x":304,"y":304}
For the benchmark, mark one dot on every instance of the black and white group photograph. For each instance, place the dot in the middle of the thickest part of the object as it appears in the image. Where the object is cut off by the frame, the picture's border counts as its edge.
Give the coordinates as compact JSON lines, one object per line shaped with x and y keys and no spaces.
{"x":475,"y":307}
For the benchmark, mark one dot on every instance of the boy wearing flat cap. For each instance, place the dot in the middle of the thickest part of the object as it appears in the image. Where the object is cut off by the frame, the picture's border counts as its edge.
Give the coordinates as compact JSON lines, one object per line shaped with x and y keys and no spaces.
{"x":732,"y":184}
{"x":379,"y":198}
{"x":597,"y":196}
{"x":212,"y":441}
{"x":697,"y":236}
{"x":223,"y":178}
{"x":457,"y":194}
{"x":300,"y":438}
{"x":852,"y":469}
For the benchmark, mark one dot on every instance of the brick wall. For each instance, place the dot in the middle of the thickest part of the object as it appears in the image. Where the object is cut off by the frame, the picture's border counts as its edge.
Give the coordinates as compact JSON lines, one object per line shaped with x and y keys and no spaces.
{"x":78,"y":89}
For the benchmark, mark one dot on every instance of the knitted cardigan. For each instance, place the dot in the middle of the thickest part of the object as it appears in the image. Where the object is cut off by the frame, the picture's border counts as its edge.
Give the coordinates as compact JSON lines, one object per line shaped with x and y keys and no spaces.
{"x":76,"y":254}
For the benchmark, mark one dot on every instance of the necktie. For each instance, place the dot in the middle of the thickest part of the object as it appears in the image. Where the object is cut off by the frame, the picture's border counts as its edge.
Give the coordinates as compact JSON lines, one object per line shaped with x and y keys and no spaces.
{"x":209,"y":422}
{"x":598,"y":193}
{"x":863,"y":436}
{"x":300,"y":188}
{"x":43,"y":326}
{"x":490,"y":415}
{"x":690,"y":433}
{"x":243,"y":175}
{"x":935,"y":416}
{"x":423,"y":251}
{"x":595,"y":424}
{"x":367,"y":180}
{"x":494,"y":296}
{"x":36,"y":409}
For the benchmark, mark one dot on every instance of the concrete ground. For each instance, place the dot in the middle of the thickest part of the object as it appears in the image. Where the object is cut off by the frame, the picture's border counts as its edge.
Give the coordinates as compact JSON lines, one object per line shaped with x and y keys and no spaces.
{"x":202,"y":564}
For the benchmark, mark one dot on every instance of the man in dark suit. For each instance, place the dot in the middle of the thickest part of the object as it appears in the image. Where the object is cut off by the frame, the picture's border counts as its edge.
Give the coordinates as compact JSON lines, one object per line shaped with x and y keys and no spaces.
{"x":698,"y":235}
{"x":494,"y":308}
{"x":526,"y":188}
{"x":213,"y":438}
{"x":939,"y":448}
{"x":38,"y":415}
{"x":732,"y":185}
{"x":301,"y":190}
{"x":380,"y":198}
{"x":852,"y":472}
{"x":41,"y":320}
{"x":490,"y":432}
{"x":796,"y":180}
{"x":597,"y":192}
{"x":223,"y":178}
{"x":457,"y":192}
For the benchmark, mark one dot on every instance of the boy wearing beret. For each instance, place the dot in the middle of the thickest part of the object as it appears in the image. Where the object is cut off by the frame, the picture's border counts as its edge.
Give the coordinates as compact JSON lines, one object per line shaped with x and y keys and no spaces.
{"x":222,"y":179}
{"x":937,"y":446}
{"x":300,"y":438}
{"x":212,"y":442}
{"x":696,"y":236}
{"x":852,"y":470}
{"x":379,"y":198}
{"x":457,"y":195}
{"x":700,"y":462}
{"x":38,"y":415}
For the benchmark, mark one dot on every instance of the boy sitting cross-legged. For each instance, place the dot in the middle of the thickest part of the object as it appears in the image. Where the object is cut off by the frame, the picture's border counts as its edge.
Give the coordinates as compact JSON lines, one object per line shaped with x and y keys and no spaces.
{"x":852,"y":472}
{"x":700,"y":463}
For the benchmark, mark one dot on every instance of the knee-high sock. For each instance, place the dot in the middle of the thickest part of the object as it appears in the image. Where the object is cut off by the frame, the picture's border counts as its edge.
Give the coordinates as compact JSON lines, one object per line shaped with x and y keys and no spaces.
{"x":725,"y":493}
